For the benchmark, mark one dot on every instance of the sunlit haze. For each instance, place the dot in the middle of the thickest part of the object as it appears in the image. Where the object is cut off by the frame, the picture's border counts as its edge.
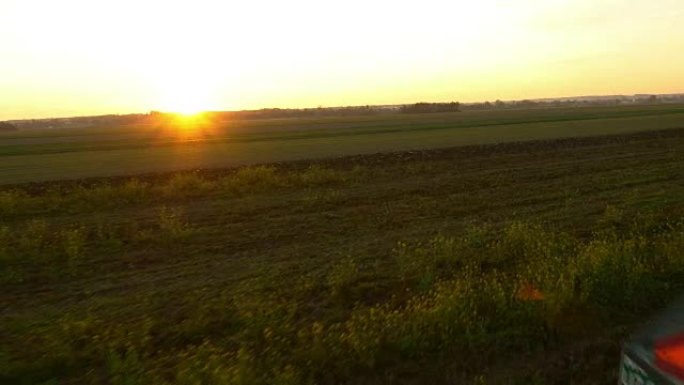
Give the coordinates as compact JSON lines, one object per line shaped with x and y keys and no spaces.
{"x":83,"y":57}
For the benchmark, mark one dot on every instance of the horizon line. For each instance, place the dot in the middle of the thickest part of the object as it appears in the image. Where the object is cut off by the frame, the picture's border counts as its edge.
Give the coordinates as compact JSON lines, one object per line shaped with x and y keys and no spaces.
{"x":148,"y":111}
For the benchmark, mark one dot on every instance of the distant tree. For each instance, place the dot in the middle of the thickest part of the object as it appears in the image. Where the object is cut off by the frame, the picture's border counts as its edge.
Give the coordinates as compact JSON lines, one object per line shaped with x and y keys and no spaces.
{"x":422,"y":107}
{"x":6,"y":126}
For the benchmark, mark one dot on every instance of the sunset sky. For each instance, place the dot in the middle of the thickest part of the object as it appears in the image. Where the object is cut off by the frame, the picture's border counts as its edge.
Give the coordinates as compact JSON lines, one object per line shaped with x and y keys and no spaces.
{"x":83,"y":57}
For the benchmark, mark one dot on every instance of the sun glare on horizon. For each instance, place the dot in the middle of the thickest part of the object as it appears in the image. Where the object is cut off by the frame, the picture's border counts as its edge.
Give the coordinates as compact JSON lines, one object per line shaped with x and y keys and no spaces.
{"x":186,"y":82}
{"x":187,"y":126}
{"x":187,"y":110}
{"x":187,"y":97}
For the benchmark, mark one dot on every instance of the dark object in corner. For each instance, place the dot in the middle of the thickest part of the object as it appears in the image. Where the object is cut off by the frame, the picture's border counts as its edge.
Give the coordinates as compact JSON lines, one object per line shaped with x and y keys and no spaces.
{"x":655,"y":355}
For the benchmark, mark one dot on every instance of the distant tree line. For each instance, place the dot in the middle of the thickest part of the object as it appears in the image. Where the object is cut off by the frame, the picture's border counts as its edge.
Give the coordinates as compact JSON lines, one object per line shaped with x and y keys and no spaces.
{"x":271,"y":113}
{"x":7,"y":126}
{"x":84,"y":121}
{"x":617,"y":100}
{"x":160,"y":118}
{"x":422,"y":107}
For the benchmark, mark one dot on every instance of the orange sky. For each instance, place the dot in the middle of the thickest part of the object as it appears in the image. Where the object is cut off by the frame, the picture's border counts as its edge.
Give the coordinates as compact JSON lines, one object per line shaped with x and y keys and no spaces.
{"x":82,"y":57}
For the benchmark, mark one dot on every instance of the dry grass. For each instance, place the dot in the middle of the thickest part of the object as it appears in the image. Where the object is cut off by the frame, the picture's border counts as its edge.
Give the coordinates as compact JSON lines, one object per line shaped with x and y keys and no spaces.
{"x":472,"y":265}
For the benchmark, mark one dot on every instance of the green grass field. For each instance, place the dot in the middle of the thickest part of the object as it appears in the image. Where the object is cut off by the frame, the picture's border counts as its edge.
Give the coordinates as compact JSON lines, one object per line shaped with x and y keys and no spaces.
{"x":41,"y":155}
{"x":516,"y":258}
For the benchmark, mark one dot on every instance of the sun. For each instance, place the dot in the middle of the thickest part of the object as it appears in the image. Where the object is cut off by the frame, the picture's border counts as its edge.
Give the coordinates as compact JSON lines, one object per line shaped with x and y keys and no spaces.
{"x":187,"y":101}
{"x":186,"y":96}
{"x":189,"y":110}
{"x":186,"y":92}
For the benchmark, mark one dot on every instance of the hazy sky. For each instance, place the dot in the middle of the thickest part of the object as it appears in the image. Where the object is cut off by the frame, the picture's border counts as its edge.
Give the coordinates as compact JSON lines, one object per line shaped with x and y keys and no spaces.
{"x":78,"y":57}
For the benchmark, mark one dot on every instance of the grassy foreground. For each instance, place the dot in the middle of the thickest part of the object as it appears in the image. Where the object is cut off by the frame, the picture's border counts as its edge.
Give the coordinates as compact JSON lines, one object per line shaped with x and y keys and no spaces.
{"x":511,"y":263}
